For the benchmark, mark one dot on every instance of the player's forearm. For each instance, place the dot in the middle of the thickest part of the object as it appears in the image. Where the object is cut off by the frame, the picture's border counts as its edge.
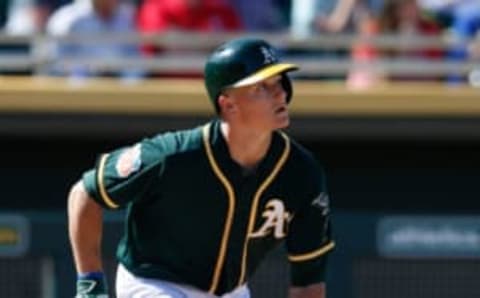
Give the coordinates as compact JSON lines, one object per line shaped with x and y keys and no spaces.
{"x":311,"y":291}
{"x":85,"y":229}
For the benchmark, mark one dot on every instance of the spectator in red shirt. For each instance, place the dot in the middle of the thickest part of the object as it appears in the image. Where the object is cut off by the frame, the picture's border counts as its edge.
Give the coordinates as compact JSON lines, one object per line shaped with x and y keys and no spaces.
{"x":187,"y":15}
{"x":404,"y":19}
{"x":160,"y":16}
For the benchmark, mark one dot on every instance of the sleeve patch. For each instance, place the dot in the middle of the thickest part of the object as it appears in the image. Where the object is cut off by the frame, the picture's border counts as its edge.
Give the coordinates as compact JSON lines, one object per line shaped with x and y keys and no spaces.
{"x":129,"y":161}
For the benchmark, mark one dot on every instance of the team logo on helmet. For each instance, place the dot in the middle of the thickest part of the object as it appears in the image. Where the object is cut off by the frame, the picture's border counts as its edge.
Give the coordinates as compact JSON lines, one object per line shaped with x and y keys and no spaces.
{"x":268,"y":56}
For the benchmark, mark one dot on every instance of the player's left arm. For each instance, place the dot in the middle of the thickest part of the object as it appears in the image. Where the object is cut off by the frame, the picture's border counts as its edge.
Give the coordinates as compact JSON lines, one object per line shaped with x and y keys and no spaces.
{"x":309,"y":241}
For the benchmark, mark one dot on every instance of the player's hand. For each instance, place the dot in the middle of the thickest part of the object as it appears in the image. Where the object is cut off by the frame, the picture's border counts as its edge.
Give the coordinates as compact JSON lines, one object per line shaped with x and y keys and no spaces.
{"x":92,"y":285}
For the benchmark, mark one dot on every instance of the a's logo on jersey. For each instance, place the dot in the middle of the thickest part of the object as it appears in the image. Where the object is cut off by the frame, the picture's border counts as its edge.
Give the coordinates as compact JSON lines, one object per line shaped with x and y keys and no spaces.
{"x":276,"y":220}
{"x":322,"y":201}
{"x":268,"y":56}
{"x":129,"y":161}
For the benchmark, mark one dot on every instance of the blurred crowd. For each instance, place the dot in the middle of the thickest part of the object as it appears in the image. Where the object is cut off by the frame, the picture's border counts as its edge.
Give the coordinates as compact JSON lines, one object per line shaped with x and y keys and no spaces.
{"x":459,"y":19}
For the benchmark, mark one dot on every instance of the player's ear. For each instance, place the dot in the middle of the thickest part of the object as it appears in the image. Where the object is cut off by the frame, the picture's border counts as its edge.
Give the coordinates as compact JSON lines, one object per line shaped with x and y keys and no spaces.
{"x":227,"y":103}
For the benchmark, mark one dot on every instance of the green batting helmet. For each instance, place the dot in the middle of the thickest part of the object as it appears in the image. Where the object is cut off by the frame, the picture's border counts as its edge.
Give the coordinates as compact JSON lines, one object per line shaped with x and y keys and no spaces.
{"x":243,"y":62}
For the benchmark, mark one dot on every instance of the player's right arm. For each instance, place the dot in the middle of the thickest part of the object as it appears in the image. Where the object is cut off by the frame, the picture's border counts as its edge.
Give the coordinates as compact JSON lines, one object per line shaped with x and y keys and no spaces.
{"x":85,"y":225}
{"x":85,"y":229}
{"x":118,"y":178}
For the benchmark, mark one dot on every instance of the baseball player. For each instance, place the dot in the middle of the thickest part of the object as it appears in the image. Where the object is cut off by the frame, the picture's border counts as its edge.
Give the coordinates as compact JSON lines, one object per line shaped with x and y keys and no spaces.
{"x":204,"y":206}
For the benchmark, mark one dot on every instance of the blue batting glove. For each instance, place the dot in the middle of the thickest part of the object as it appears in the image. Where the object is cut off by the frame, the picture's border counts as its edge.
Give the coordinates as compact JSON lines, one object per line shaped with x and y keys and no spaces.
{"x":92,"y":285}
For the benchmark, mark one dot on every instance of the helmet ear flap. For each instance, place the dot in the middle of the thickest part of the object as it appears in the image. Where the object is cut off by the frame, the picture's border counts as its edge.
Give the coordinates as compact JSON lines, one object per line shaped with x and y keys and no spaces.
{"x":287,"y":86}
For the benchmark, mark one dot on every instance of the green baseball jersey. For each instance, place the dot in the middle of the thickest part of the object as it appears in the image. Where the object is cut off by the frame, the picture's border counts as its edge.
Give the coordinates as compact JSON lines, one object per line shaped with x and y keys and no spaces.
{"x":194,"y":216}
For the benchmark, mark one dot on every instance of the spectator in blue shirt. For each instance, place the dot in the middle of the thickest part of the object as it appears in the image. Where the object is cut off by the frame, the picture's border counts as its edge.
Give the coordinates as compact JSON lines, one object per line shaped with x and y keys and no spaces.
{"x":101,"y":17}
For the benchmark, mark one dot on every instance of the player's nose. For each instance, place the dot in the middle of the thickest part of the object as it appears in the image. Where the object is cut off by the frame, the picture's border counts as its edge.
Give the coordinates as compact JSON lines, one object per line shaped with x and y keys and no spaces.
{"x":279,"y":93}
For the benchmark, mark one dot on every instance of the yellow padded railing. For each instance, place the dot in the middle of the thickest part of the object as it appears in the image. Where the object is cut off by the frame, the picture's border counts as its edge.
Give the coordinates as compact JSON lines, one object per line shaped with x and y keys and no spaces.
{"x":168,"y":96}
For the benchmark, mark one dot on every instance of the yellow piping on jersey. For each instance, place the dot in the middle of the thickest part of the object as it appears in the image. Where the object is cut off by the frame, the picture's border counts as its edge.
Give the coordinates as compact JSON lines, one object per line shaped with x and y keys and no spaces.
{"x":231,"y":208}
{"x":253,"y":212}
{"x":314,"y":254}
{"x":103,"y":192}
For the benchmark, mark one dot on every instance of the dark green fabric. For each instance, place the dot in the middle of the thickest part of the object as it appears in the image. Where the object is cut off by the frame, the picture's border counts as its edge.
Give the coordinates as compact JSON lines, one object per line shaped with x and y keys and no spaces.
{"x":177,"y":207}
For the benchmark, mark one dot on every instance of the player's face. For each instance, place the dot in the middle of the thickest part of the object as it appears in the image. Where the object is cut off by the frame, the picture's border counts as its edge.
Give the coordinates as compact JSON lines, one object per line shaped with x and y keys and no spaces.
{"x":262,"y":105}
